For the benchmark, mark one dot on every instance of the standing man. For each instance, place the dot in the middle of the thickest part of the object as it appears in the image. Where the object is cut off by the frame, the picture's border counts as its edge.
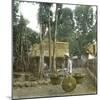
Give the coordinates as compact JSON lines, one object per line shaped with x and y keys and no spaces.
{"x":67,"y":64}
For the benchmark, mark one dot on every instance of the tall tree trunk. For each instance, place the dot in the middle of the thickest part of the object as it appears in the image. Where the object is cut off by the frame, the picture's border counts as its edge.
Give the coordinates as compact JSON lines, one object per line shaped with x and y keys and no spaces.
{"x":27,"y":56}
{"x":18,"y":50}
{"x":50,"y":57}
{"x":41,"y":55}
{"x":21,"y":51}
{"x":54,"y":42}
{"x":24,"y":53}
{"x":28,"y":60}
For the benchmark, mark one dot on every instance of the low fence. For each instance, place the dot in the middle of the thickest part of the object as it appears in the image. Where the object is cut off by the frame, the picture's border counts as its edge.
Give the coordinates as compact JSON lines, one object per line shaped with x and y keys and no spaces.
{"x":92,"y":69}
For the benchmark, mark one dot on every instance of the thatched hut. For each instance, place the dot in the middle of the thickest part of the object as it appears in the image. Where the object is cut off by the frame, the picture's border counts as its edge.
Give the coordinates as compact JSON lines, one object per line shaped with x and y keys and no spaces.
{"x":61,"y":48}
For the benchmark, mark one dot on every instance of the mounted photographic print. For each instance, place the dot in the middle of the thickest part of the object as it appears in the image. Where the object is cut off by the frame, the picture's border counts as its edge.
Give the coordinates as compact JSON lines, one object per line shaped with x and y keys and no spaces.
{"x":54,"y":49}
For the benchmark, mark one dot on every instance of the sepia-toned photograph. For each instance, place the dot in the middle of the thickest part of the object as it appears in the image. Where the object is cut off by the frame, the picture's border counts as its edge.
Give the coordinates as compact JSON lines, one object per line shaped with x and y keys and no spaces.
{"x":54,"y":49}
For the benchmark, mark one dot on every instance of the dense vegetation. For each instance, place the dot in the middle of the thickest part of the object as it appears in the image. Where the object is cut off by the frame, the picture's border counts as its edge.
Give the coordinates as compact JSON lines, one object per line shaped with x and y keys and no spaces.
{"x":77,"y":26}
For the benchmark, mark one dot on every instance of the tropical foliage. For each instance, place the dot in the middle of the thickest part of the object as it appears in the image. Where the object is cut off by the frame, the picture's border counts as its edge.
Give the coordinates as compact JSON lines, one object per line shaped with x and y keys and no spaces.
{"x":78,"y":27}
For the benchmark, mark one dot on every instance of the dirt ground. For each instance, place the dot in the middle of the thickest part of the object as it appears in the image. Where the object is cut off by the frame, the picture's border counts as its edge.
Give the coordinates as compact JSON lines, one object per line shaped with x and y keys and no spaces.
{"x":86,"y":87}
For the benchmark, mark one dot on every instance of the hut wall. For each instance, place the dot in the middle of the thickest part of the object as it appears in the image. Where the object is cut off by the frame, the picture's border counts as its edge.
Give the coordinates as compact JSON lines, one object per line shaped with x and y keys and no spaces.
{"x":59,"y":62}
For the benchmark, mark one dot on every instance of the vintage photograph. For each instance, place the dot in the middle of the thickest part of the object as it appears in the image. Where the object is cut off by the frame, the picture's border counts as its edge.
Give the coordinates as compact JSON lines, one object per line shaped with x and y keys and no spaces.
{"x":54,"y":49}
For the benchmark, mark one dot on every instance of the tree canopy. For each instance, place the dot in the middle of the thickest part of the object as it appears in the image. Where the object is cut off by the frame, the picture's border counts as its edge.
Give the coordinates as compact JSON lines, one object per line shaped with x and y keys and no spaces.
{"x":78,"y":27}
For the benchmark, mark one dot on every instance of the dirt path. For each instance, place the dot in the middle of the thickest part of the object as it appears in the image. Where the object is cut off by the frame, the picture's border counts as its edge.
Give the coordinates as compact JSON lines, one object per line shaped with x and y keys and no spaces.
{"x":50,"y":90}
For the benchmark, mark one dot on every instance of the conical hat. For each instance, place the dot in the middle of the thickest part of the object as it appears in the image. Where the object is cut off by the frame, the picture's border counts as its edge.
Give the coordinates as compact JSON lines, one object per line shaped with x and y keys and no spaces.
{"x":66,"y":54}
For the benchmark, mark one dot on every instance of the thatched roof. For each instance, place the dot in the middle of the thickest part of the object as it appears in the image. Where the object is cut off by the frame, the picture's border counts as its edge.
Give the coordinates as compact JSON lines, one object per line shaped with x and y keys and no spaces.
{"x":91,"y":48}
{"x":61,"y":48}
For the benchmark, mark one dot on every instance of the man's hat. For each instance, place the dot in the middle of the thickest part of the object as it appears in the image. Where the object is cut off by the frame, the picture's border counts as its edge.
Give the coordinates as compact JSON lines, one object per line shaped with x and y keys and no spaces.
{"x":66,"y":54}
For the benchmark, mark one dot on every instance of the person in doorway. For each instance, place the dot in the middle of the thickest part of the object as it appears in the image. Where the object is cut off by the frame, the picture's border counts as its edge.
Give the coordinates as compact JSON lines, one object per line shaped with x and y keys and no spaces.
{"x":67,"y":64}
